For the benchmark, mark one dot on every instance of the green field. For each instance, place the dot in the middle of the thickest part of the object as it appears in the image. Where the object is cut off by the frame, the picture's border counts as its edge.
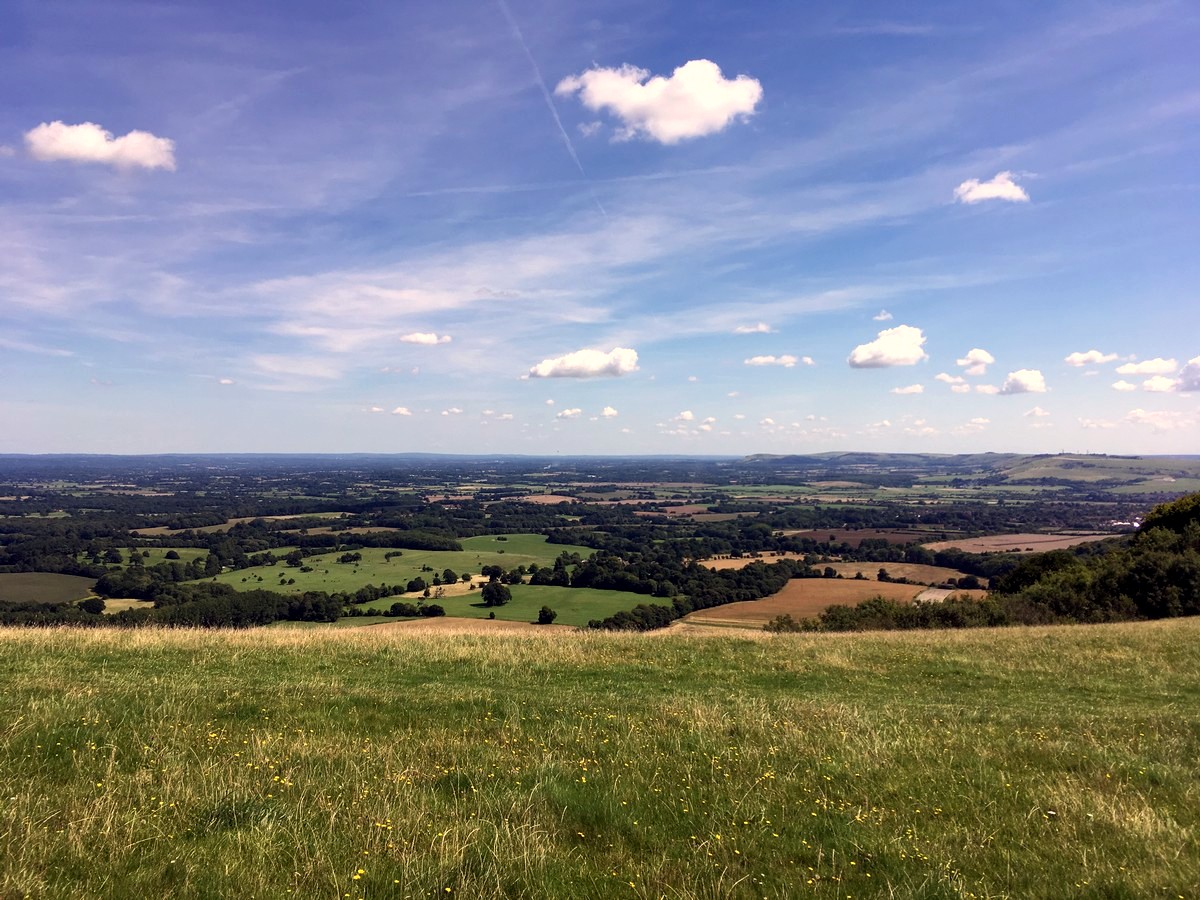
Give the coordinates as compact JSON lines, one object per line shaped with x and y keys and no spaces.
{"x":370,"y":763}
{"x":43,"y":587}
{"x":330,"y":575}
{"x":159,"y":555}
{"x":1161,"y":486}
{"x":575,"y":606}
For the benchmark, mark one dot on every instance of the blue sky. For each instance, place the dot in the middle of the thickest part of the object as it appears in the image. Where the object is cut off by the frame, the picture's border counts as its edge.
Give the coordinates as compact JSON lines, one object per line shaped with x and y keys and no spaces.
{"x":535,"y":227}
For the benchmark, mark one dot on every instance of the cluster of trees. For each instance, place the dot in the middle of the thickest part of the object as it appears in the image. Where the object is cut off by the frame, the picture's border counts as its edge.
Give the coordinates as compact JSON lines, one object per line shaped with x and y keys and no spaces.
{"x":402,"y":609}
{"x":203,"y":605}
{"x":1155,"y":574}
{"x":495,"y":593}
{"x":881,"y":614}
{"x":38,"y":613}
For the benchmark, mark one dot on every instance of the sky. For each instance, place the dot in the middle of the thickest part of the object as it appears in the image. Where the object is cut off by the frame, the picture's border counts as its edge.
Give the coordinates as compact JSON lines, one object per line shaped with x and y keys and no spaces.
{"x":545,"y":226}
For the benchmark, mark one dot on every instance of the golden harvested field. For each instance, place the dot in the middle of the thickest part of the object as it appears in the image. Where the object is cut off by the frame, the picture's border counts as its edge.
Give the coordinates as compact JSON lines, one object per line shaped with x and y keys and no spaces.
{"x":548,"y":499}
{"x":802,"y":598}
{"x":116,"y":604}
{"x":1020,"y":543}
{"x":912,"y":571}
{"x":685,"y":509}
{"x":740,"y":563}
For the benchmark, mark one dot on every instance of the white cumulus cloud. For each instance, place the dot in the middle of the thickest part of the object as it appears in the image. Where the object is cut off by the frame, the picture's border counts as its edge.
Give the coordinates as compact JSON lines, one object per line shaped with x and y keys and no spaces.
{"x":89,"y":142}
{"x":1024,"y":381}
{"x":1159,"y":384}
{"x":1037,"y":412}
{"x":1156,"y":366}
{"x":1124,"y":385}
{"x":1001,"y":187}
{"x":882,"y":316}
{"x":401,"y":411}
{"x":694,"y":101}
{"x":787,"y":361}
{"x":947,"y":378}
{"x":911,"y":389}
{"x":686,"y":416}
{"x":572,"y":413}
{"x":1089,"y":358}
{"x":608,"y":413}
{"x":587,"y":364}
{"x":425,"y":337}
{"x":758,"y":328}
{"x":1189,"y":376}
{"x":899,"y":346}
{"x":976,"y":361}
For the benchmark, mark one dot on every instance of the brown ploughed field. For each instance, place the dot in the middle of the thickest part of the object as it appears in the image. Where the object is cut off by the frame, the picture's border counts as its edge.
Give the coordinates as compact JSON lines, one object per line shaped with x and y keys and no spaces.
{"x":802,"y":598}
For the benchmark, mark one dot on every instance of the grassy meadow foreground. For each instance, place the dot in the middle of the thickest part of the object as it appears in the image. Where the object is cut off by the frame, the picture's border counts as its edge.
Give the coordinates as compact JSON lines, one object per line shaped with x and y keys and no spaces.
{"x":374,"y":763}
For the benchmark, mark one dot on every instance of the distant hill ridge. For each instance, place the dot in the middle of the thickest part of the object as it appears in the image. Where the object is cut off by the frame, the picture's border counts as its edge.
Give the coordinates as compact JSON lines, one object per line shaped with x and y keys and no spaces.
{"x":1013,"y":468}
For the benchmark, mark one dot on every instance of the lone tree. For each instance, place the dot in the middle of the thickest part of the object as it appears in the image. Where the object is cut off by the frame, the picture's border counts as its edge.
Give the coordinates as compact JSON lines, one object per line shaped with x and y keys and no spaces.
{"x":496,"y":594}
{"x":546,"y":616}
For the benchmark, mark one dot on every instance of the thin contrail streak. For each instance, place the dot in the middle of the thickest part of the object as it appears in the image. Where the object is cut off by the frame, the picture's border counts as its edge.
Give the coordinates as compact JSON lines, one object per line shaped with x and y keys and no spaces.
{"x":537,"y":73}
